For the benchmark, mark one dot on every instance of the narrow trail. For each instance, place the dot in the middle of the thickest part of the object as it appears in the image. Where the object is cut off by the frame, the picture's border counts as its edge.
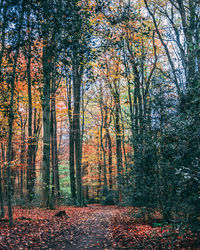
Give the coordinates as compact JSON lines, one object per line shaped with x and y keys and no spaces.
{"x":94,"y":233}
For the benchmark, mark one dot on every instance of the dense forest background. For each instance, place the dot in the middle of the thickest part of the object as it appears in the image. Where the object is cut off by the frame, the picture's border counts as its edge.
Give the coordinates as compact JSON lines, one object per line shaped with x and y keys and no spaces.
{"x":100,"y":103}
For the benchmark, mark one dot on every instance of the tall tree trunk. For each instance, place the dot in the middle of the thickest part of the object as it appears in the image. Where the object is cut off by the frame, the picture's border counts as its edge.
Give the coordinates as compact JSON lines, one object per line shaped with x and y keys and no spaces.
{"x":46,"y":126}
{"x":108,"y":145}
{"x":99,"y":168}
{"x":76,"y":127}
{"x":54,"y":148}
{"x":3,"y":36}
{"x":71,"y":144}
{"x":3,"y":33}
{"x":53,"y":196}
{"x":101,"y":139}
{"x":123,"y":141}
{"x":118,"y":143}
{"x":1,"y":194}
{"x":109,"y":158}
{"x":138,"y":104}
{"x":10,"y":134}
{"x":130,"y":101}
{"x":22,"y":156}
{"x":3,"y":179}
{"x":36,"y":132}
{"x":31,"y":175}
{"x":13,"y":172}
{"x":11,"y":118}
{"x":82,"y":133}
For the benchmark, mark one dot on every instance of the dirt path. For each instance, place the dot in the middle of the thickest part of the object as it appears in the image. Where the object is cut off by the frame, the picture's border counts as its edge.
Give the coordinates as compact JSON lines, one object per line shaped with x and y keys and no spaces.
{"x":81,"y":228}
{"x":93,"y":228}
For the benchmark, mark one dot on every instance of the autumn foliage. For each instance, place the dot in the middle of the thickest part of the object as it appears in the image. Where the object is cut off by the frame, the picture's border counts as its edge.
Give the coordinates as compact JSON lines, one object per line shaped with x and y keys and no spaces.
{"x":99,"y":103}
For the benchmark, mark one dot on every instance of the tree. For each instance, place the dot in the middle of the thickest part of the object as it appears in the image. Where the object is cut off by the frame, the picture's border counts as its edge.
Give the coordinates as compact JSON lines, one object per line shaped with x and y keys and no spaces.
{"x":71,"y":140}
{"x":31,"y":168}
{"x":11,"y":112}
{"x":77,"y":47}
{"x":182,"y":17}
{"x":54,"y":148}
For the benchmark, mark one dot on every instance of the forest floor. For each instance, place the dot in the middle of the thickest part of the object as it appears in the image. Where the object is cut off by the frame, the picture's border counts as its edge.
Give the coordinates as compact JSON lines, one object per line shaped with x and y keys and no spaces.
{"x":91,"y":227}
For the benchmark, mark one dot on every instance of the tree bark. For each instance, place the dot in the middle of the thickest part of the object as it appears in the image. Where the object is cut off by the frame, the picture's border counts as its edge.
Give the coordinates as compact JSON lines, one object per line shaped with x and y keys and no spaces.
{"x":99,"y":168}
{"x":46,"y":126}
{"x":36,"y":132}
{"x":109,"y":145}
{"x":71,"y":144}
{"x":31,"y":175}
{"x":11,"y":117}
{"x":22,"y":156}
{"x":101,"y":140}
{"x":54,"y":147}
{"x":1,"y":195}
{"x":76,"y":127}
{"x":3,"y":33}
{"x":118,"y":143}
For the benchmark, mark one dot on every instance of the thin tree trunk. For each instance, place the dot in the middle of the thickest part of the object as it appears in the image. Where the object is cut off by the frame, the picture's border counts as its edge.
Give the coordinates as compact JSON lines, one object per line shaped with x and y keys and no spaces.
{"x":101,"y":139}
{"x":131,"y":108}
{"x":36,"y":132}
{"x":60,"y":137}
{"x":46,"y":127}
{"x":31,"y":175}
{"x":76,"y":128}
{"x":3,"y":33}
{"x":108,"y":144}
{"x":3,"y":180}
{"x":118,"y":144}
{"x":109,"y":158}
{"x":11,"y":118}
{"x":54,"y":147}
{"x":99,"y":168}
{"x":138,"y":100}
{"x":3,"y":36}
{"x":82,"y":132}
{"x":22,"y":156}
{"x":123,"y":141}
{"x":10,"y":134}
{"x":52,"y":156}
{"x":1,"y":196}
{"x":71,"y":144}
